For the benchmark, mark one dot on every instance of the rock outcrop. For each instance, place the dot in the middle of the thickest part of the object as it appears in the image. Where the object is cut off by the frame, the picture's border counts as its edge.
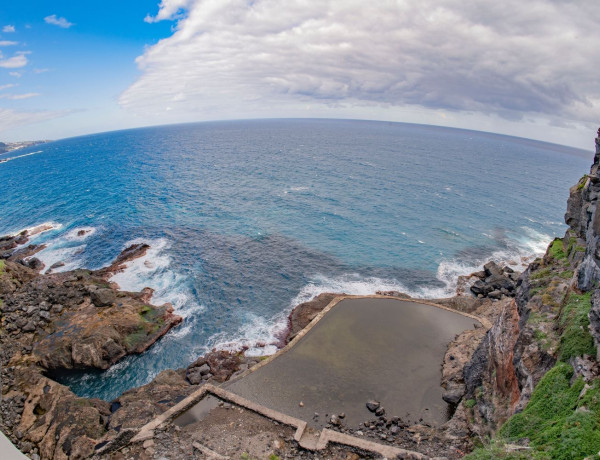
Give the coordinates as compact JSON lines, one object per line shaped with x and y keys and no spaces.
{"x":495,"y":281}
{"x":544,"y":324}
{"x":584,"y":222}
{"x":77,"y":321}
{"x":72,"y":320}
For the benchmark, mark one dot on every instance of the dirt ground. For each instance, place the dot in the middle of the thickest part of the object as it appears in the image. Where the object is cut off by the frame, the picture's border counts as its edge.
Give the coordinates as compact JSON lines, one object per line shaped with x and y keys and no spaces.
{"x":233,"y":432}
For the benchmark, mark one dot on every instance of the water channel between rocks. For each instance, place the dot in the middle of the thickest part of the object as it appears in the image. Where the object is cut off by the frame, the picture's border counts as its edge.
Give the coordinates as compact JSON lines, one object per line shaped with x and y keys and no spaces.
{"x":382,"y":349}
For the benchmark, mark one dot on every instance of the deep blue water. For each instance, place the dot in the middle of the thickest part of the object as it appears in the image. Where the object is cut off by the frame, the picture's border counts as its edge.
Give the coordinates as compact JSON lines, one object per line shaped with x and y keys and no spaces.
{"x":248,"y":218}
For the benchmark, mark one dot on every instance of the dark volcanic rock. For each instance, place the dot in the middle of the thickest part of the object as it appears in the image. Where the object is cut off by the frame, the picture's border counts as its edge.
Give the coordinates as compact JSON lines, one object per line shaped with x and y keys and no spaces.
{"x":35,"y":264}
{"x":103,"y":297}
{"x":584,"y":222}
{"x":135,"y":251}
{"x":303,"y":314}
{"x":492,"y":269}
{"x":495,"y":282}
{"x":373,"y":405}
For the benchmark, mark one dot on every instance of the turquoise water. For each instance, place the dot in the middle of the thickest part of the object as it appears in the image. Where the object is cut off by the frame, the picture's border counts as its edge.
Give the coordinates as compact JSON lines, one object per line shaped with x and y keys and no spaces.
{"x":248,"y":218}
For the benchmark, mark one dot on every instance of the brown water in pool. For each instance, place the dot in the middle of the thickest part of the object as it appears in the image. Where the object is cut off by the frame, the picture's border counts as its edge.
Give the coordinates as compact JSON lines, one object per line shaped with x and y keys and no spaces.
{"x":382,"y":349}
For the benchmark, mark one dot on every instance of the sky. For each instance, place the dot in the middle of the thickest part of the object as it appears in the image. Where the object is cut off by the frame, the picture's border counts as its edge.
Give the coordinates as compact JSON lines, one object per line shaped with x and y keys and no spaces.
{"x":527,"y":69}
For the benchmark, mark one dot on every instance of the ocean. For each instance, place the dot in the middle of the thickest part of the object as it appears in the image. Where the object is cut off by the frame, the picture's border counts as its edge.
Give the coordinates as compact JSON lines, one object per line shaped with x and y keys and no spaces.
{"x":248,"y":218}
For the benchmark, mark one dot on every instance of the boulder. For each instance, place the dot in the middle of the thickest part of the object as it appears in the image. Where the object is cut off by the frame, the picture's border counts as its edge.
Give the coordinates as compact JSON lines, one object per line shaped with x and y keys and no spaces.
{"x":454,"y":393}
{"x":373,"y":405}
{"x":492,"y":268}
{"x":103,"y":297}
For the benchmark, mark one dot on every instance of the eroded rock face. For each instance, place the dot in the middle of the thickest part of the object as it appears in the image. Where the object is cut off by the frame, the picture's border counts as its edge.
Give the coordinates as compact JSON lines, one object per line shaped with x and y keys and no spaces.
{"x":523,"y":343}
{"x":72,"y":327}
{"x":65,"y":321}
{"x":584,"y":222}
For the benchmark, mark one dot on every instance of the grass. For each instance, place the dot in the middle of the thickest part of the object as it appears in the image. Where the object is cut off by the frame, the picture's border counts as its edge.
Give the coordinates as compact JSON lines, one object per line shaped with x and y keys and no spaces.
{"x":582,"y":182}
{"x":567,"y":274}
{"x":148,"y":314}
{"x":470,"y":403}
{"x":135,"y":338}
{"x":496,"y":450}
{"x":575,"y":339}
{"x":557,"y":249}
{"x":2,"y":265}
{"x":557,"y":422}
{"x":542,"y":273}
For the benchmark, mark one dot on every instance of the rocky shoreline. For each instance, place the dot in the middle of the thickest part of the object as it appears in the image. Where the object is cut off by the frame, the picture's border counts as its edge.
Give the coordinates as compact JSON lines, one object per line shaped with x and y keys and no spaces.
{"x":57,"y":322}
{"x":545,"y":333}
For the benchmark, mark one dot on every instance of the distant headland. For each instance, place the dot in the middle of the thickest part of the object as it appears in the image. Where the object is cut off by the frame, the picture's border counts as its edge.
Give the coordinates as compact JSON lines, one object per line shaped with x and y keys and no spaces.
{"x":6,"y":147}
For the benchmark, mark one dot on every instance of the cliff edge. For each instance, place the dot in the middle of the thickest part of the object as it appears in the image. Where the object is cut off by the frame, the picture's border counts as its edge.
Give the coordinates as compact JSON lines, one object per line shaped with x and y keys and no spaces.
{"x":533,"y":383}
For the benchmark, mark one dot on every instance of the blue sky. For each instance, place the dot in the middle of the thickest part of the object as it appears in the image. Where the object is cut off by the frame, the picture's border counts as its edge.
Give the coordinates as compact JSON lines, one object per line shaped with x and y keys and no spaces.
{"x":527,"y":69}
{"x":80,"y":69}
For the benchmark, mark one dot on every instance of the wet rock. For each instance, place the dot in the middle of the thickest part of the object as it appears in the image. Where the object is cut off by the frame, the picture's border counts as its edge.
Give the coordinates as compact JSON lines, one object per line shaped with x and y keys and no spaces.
{"x":56,"y":265}
{"x":35,"y":264}
{"x":398,"y":294}
{"x":133,"y":252}
{"x":373,"y":405}
{"x":492,"y":268}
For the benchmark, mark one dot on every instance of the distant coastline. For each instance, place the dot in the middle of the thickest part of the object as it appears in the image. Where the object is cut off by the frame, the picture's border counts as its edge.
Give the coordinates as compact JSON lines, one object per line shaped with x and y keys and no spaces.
{"x":6,"y":147}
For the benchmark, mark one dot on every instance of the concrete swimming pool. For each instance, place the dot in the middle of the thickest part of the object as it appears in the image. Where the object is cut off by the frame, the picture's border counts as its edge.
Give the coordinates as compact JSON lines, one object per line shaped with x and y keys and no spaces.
{"x":362,"y":349}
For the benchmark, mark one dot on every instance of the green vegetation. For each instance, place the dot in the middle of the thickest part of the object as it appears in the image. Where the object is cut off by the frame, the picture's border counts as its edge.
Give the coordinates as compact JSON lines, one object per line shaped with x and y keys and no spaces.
{"x":582,"y":182}
{"x":470,"y":403}
{"x":575,"y":339}
{"x":557,"y":249}
{"x":567,"y":274}
{"x":542,"y":273}
{"x":496,"y":450}
{"x":2,"y":265}
{"x":135,"y":338}
{"x":557,"y":422}
{"x":547,"y":299}
{"x":148,"y":314}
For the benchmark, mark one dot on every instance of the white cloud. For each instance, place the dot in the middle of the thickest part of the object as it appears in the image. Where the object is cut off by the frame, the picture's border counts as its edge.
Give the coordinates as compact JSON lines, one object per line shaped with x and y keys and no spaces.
{"x":15,"y":74}
{"x":9,"y":85}
{"x":170,"y":9}
{"x":8,"y":43}
{"x":60,"y":22}
{"x":38,"y":71}
{"x":10,"y":119}
{"x":18,"y":97}
{"x":228,"y":58}
{"x":15,"y":62}
{"x":8,"y":29}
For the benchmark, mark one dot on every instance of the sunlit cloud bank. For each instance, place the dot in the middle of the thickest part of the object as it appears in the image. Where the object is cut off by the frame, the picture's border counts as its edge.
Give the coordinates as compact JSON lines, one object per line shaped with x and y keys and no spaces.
{"x":507,"y":60}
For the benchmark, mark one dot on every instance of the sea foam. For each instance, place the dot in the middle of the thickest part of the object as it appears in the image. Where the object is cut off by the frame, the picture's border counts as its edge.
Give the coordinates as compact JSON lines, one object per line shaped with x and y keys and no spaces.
{"x":262,"y":336}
